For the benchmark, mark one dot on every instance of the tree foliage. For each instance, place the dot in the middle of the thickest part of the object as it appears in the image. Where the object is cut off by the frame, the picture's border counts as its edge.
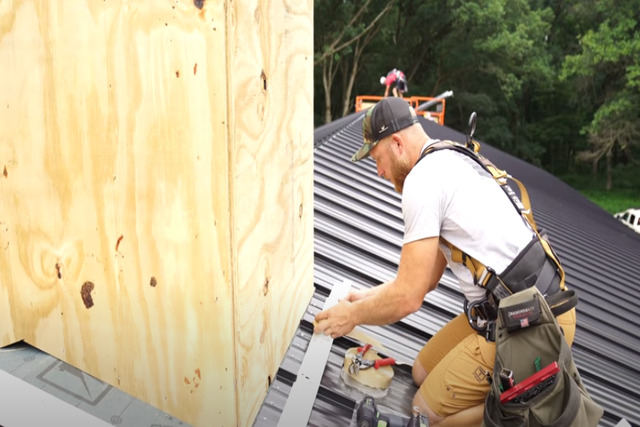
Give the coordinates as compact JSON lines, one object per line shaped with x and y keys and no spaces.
{"x":607,"y":70}
{"x":345,"y":36}
{"x":552,"y":81}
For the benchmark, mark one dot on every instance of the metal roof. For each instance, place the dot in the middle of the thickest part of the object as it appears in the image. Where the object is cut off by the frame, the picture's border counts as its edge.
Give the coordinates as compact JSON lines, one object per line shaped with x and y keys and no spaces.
{"x":358,"y":235}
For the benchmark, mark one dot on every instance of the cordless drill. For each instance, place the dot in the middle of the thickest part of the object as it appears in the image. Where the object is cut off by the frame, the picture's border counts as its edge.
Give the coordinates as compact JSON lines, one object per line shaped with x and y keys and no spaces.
{"x":368,"y":415}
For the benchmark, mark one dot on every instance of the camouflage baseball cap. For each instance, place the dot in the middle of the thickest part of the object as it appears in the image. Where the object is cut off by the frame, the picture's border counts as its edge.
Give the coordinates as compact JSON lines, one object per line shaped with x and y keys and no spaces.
{"x":388,"y":116}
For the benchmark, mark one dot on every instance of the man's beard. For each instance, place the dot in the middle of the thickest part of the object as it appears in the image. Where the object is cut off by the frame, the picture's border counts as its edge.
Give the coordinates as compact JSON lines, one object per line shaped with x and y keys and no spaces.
{"x":399,"y":171}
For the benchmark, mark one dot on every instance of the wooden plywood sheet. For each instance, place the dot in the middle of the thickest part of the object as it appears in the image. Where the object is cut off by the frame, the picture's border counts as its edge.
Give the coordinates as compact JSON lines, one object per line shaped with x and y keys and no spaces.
{"x":115,"y":225}
{"x":271,"y":54}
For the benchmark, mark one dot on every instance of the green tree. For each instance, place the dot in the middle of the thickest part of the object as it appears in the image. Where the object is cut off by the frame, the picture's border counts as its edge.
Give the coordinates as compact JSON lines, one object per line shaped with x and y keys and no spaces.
{"x":502,"y":59}
{"x":515,"y":67}
{"x":344,"y":29}
{"x":606,"y":73}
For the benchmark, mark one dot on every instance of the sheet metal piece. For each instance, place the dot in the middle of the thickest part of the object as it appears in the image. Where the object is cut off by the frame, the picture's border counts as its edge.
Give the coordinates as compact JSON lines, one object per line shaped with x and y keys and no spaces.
{"x":303,"y":393}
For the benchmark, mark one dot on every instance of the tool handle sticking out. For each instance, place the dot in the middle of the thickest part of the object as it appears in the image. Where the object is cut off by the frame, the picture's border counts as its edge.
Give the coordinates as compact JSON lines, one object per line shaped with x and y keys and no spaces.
{"x":363,"y":350}
{"x":384,"y":362}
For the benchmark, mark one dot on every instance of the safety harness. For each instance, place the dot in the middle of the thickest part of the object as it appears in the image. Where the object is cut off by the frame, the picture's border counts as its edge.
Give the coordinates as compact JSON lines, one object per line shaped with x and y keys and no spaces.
{"x":536,"y":265}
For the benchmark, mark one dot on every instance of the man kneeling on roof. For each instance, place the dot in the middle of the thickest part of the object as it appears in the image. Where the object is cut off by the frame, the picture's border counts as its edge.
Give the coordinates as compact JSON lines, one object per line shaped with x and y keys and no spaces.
{"x":448,"y":202}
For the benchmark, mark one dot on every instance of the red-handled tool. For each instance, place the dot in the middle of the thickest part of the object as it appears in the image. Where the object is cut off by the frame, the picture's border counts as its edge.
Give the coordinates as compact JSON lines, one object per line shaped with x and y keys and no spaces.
{"x":363,"y":350}
{"x":377,"y":363}
{"x":357,"y":359}
{"x":358,"y":362}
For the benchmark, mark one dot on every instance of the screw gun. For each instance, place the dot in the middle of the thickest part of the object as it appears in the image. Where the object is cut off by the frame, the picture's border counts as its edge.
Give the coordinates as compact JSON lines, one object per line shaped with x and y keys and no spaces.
{"x":368,"y":415}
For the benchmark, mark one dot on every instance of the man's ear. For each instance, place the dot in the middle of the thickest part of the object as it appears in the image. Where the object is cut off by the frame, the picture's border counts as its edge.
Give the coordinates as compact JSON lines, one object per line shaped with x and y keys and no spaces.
{"x":397,"y":143}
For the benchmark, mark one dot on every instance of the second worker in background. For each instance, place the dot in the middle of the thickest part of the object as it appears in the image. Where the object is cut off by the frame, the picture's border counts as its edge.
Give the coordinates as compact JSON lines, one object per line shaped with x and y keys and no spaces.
{"x":396,"y":81}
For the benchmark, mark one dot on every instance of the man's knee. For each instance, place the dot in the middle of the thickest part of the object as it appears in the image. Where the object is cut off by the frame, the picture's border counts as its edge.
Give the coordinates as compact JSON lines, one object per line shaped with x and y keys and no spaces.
{"x":420,"y":405}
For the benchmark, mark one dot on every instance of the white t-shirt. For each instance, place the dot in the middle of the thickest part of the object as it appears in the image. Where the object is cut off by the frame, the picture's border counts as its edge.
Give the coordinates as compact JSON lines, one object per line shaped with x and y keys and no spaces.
{"x":448,"y":194}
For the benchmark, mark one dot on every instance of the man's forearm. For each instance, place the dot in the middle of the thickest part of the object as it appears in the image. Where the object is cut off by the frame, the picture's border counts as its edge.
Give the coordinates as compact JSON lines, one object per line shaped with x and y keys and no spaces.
{"x":385,"y":304}
{"x":375,"y":289}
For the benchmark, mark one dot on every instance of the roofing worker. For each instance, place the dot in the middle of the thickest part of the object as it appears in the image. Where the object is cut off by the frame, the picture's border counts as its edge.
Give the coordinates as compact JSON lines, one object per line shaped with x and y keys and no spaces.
{"x":446,"y":197}
{"x":396,"y":78}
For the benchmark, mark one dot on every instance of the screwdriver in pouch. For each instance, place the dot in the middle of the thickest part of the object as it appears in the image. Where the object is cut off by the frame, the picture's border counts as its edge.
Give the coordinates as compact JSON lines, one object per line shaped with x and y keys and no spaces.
{"x":506,"y":379}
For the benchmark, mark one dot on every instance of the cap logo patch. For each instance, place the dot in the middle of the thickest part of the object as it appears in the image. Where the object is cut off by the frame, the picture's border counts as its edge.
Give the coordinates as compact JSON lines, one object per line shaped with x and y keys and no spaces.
{"x":383,"y":128}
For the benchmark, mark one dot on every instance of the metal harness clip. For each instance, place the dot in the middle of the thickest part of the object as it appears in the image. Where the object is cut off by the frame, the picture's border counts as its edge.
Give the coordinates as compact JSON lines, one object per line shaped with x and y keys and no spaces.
{"x":482,"y":315}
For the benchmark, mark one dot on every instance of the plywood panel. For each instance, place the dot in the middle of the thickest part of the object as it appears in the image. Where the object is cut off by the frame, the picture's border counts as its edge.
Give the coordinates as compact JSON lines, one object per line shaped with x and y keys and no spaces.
{"x":115,"y":196}
{"x":271,"y":54}
{"x":156,"y":209}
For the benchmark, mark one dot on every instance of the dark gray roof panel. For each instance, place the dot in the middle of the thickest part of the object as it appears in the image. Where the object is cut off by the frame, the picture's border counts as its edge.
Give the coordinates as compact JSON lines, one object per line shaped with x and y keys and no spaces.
{"x":358,"y":237}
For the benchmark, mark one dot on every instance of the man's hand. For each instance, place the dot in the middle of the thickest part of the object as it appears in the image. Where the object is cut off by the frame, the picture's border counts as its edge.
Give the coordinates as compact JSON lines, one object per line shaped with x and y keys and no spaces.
{"x":337,"y":320}
{"x":356,"y":295}
{"x":421,"y":266}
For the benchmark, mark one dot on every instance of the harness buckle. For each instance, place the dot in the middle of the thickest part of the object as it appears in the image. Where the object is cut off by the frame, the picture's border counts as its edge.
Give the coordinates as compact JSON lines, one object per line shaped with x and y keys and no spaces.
{"x":490,"y":331}
{"x":496,"y":287}
{"x":482,"y":315}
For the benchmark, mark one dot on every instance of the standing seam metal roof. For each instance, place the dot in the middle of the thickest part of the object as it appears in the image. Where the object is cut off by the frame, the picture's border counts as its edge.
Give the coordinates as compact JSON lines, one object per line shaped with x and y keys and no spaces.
{"x":358,"y":237}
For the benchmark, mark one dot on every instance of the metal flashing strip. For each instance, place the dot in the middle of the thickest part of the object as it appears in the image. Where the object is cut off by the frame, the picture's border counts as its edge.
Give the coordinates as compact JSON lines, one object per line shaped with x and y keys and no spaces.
{"x":302,"y":396}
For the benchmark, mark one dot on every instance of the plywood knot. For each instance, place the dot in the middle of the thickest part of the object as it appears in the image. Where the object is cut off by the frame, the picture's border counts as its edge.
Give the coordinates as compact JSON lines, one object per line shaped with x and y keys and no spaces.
{"x":118,"y":242}
{"x":263,"y":77}
{"x":85,"y":292}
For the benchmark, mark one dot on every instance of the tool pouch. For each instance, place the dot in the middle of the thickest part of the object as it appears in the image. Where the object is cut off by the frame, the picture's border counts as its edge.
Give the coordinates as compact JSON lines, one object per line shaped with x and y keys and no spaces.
{"x":521,"y":315}
{"x":526,"y":329}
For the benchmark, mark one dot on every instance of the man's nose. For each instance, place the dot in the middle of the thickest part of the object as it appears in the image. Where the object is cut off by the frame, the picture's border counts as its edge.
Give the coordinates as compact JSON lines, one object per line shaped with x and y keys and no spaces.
{"x":380,"y":171}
